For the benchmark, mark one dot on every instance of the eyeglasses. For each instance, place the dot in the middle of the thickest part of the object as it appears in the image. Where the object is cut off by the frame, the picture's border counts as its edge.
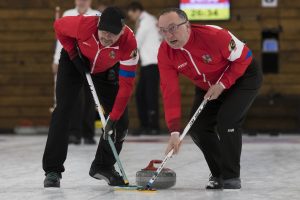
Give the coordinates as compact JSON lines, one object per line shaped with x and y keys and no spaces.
{"x":171,"y":28}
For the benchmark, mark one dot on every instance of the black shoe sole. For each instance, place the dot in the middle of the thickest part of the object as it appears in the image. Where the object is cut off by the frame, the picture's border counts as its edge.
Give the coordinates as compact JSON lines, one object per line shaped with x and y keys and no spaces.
{"x":100,"y":177}
{"x":54,"y":185}
{"x":233,"y":184}
{"x":211,"y":188}
{"x":232,"y":188}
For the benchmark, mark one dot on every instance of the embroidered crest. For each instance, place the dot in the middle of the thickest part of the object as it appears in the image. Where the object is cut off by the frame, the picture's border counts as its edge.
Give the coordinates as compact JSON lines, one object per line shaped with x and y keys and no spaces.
{"x":206,"y":58}
{"x":112,"y":54}
{"x":133,"y":54}
{"x":231,"y":45}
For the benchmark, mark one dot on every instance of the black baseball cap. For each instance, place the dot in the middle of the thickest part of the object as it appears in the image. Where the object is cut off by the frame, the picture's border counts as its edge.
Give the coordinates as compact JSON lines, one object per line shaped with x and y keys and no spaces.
{"x":111,"y":20}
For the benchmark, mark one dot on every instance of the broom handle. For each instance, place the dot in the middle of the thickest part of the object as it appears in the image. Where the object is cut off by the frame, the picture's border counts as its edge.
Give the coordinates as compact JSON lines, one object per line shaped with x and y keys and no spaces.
{"x":103,"y":121}
{"x":169,"y":155}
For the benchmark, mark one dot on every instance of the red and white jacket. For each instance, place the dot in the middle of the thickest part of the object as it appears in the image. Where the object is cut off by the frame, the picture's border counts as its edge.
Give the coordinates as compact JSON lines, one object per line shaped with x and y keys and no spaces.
{"x":83,"y":30}
{"x":211,"y":54}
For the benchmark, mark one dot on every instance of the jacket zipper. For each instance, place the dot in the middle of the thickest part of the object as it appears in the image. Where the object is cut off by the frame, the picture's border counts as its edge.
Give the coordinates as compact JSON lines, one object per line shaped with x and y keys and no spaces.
{"x":98,"y":52}
{"x":196,"y":68}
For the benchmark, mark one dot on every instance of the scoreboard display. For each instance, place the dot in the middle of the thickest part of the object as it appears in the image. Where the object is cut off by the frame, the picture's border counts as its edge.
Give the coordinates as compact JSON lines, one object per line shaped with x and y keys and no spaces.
{"x":206,"y":9}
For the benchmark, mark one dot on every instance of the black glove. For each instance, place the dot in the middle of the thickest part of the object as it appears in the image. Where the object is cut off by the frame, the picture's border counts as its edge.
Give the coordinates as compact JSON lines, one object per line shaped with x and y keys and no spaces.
{"x":110,"y":129}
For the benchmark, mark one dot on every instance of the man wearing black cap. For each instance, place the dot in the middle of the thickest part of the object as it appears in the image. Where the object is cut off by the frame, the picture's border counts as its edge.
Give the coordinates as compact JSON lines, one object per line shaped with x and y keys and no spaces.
{"x":109,"y":50}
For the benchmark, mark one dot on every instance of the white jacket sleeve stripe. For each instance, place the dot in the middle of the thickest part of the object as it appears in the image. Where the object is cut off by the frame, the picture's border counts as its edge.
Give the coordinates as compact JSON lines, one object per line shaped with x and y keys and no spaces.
{"x":132,"y":61}
{"x":237,"y":52}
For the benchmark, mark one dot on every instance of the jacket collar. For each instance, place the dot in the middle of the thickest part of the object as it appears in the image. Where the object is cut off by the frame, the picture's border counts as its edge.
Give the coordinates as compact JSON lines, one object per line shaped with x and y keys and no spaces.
{"x":191,"y":40}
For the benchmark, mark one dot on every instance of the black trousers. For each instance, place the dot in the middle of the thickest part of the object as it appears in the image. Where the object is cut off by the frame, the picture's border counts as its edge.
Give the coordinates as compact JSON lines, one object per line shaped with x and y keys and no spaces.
{"x":147,"y":93}
{"x":217,"y":130}
{"x":69,"y":83}
{"x":82,"y":123}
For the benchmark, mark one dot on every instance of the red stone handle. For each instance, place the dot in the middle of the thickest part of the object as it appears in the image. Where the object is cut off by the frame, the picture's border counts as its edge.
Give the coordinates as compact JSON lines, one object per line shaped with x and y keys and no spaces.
{"x":151,"y":165}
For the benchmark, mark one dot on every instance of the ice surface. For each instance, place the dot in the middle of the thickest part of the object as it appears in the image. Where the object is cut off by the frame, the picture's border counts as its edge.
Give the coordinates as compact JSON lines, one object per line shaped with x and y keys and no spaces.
{"x":270,"y":170}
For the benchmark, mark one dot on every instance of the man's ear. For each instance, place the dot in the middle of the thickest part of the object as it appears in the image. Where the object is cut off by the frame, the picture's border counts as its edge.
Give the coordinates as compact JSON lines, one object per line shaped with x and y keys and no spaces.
{"x":188,"y":24}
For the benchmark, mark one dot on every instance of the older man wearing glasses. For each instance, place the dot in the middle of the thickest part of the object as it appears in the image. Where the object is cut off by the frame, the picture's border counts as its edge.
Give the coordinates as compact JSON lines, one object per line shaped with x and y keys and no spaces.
{"x":222,"y":69}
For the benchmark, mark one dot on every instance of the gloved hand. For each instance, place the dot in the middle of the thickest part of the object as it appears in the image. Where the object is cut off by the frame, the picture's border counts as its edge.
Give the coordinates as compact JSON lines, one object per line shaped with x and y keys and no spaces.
{"x":174,"y":143}
{"x":110,"y":129}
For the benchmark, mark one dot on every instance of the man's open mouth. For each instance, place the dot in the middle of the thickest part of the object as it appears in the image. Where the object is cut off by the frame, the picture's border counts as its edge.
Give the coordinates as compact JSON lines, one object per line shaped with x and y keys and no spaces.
{"x":173,"y":41}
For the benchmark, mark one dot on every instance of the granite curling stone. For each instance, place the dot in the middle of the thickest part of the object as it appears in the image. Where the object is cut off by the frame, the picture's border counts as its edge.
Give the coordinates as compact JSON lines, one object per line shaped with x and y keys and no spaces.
{"x":166,"y":178}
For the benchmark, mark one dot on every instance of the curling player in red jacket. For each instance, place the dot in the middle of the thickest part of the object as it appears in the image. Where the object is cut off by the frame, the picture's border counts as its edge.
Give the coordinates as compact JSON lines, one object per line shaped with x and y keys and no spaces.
{"x":109,"y":52}
{"x":222,"y":69}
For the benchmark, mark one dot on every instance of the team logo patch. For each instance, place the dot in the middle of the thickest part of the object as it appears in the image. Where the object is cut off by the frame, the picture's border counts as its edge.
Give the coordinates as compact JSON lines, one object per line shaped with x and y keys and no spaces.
{"x":231,"y":45}
{"x":133,"y":54}
{"x":206,"y":58}
{"x":112,"y":54}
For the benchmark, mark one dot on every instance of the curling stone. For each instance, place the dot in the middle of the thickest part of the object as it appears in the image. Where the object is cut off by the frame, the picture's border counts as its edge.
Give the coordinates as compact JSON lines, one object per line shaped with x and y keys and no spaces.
{"x":166,"y":178}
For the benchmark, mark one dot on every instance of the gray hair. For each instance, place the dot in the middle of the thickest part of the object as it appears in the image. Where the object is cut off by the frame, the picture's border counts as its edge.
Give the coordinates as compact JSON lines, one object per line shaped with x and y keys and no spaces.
{"x":181,"y":14}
